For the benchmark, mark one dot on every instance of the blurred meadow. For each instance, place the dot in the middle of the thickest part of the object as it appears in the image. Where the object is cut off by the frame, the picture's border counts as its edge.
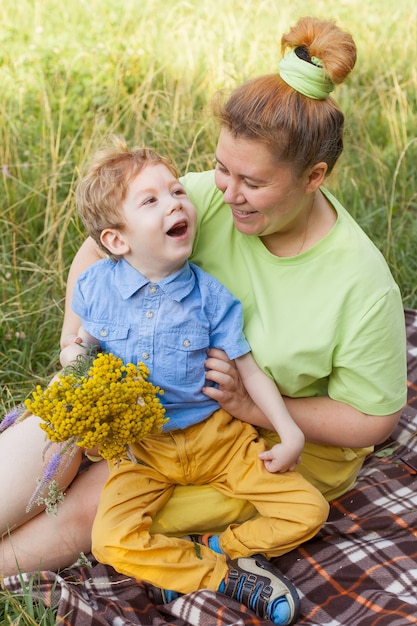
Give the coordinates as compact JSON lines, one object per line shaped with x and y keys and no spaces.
{"x":72,"y":72}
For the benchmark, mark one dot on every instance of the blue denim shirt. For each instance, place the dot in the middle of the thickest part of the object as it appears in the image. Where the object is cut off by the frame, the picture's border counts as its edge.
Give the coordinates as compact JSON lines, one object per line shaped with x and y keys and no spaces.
{"x":168,"y":326}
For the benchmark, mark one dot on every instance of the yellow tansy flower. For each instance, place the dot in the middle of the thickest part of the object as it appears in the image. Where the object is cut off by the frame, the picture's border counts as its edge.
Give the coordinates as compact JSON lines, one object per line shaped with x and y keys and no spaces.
{"x":111,"y":406}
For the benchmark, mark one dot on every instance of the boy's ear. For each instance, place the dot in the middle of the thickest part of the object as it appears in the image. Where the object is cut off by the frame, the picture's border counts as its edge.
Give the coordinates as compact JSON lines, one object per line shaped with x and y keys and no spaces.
{"x":316,"y":176}
{"x":114,"y":241}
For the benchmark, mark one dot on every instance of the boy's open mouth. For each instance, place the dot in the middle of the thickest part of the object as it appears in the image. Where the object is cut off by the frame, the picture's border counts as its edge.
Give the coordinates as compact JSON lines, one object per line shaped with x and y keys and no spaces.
{"x":178,"y":229}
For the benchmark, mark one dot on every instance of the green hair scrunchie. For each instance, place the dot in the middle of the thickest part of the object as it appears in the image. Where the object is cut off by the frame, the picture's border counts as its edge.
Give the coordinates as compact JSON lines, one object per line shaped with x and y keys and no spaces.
{"x":306,"y":78}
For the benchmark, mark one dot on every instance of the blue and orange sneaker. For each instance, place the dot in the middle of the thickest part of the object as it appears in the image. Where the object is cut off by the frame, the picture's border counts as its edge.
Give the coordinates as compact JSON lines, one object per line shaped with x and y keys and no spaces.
{"x":254,"y":582}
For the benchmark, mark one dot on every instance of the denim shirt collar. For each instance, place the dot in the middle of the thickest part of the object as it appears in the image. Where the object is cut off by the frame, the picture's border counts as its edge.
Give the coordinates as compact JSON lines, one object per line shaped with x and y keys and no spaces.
{"x":176,"y":286}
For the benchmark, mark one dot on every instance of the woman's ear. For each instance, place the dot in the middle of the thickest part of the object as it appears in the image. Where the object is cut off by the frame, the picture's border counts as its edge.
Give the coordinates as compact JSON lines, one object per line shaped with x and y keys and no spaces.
{"x":316,"y":176}
{"x":114,"y":241}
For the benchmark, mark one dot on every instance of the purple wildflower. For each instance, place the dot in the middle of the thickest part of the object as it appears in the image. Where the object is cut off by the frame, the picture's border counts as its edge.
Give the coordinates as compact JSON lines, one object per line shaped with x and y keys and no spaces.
{"x":49,"y":474}
{"x":59,"y":461}
{"x":10,"y":418}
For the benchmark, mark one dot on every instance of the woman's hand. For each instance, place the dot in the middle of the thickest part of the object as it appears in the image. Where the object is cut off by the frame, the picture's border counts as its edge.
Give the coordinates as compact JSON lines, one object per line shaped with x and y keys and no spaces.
{"x":229,"y":392}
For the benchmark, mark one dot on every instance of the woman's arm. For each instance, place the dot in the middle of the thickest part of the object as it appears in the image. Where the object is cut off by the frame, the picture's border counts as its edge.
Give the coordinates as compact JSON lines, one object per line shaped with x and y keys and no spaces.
{"x":323,"y":421}
{"x":329,"y":422}
{"x":88,"y":254}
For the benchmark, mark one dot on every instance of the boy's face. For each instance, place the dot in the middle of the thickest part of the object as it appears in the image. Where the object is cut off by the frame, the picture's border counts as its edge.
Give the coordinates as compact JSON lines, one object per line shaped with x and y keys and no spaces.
{"x":160,"y":222}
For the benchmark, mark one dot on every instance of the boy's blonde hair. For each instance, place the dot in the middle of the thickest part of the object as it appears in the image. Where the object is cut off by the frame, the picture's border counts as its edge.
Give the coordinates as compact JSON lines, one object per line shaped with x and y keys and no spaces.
{"x":102,"y":190}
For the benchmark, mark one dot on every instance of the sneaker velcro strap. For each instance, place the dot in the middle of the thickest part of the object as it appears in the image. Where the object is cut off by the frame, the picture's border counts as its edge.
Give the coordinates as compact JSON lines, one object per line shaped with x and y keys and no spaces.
{"x":252,"y":590}
{"x":257,"y":584}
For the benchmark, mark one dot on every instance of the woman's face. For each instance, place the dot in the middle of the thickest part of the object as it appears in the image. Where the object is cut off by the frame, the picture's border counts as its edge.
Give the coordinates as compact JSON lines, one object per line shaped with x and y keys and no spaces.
{"x":265,"y":197}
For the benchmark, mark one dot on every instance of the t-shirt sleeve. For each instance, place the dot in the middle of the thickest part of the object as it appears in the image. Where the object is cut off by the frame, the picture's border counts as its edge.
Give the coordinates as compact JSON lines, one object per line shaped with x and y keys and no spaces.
{"x":370,"y":370}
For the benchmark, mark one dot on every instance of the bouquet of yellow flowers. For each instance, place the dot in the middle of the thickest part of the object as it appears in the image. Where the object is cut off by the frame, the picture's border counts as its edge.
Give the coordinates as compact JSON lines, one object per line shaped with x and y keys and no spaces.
{"x":109,"y":407}
{"x":99,"y":403}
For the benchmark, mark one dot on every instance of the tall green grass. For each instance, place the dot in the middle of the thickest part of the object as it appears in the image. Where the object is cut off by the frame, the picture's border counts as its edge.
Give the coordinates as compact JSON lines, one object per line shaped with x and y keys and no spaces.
{"x":26,"y":609}
{"x":72,"y":72}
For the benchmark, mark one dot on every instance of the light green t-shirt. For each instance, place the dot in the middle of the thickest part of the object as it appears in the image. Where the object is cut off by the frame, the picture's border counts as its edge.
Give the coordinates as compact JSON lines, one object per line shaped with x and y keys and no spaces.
{"x":328,"y":321}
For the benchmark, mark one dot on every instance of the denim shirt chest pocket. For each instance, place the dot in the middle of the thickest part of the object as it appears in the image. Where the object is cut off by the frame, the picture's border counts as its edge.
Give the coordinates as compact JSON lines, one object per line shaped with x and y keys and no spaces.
{"x":185,"y":351}
{"x":112,"y":336}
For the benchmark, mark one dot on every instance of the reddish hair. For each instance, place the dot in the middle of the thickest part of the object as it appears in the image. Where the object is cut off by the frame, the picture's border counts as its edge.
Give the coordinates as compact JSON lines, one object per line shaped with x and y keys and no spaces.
{"x":297,"y":129}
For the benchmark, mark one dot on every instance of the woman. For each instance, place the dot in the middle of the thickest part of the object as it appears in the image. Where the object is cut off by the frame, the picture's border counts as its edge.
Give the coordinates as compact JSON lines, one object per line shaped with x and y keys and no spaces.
{"x":322,"y":313}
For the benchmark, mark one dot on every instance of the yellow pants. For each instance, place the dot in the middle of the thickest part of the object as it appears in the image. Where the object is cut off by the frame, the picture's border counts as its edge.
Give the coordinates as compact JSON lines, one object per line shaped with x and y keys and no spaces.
{"x":220,"y":451}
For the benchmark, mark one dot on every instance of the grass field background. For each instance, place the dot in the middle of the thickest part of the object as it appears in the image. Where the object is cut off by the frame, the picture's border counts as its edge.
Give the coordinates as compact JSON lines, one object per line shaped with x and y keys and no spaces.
{"x":71,"y":72}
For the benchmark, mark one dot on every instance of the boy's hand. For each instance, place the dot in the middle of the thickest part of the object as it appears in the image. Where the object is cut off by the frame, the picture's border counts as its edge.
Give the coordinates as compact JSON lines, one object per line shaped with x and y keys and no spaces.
{"x":281,"y":458}
{"x":93,"y":454}
{"x":70,"y":352}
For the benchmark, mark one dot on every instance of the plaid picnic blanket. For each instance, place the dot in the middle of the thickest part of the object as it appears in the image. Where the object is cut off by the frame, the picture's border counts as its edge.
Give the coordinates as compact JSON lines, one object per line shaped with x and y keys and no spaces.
{"x":360,"y":570}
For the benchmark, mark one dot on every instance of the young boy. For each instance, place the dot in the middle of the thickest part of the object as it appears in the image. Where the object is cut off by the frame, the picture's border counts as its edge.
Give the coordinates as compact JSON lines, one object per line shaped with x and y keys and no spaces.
{"x":148,"y":303}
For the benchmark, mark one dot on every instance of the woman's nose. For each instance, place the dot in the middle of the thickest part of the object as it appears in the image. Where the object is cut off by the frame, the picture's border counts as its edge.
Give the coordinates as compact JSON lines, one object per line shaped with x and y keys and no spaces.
{"x":232,"y":194}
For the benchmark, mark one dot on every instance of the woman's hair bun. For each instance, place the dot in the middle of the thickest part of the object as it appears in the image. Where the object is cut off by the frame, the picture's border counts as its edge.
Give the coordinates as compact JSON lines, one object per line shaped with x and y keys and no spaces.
{"x":323,"y":40}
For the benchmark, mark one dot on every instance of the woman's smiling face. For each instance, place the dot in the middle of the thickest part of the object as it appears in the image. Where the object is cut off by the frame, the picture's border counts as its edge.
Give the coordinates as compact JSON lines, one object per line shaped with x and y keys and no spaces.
{"x":265,"y":196}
